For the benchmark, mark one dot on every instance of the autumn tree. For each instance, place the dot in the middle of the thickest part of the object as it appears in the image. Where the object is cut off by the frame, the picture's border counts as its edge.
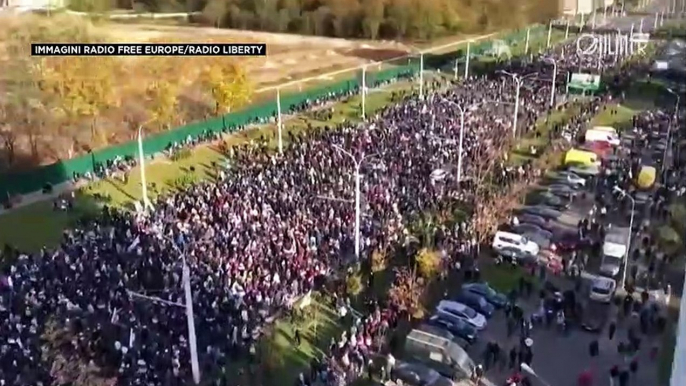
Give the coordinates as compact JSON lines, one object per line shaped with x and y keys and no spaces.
{"x":428,"y":262}
{"x":379,"y":261}
{"x":406,"y":292}
{"x":353,"y":283}
{"x":161,"y":89}
{"x":228,"y":85}
{"x":373,"y":17}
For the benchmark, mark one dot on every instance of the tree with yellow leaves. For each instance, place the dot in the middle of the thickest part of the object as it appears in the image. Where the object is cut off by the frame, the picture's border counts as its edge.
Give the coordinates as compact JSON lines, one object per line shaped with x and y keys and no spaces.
{"x":428,"y":262}
{"x":406,"y":292}
{"x":164,"y":81}
{"x":228,"y":85}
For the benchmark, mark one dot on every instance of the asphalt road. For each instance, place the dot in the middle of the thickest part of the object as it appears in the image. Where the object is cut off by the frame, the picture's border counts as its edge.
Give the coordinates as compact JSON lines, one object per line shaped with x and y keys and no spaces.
{"x":624,"y":23}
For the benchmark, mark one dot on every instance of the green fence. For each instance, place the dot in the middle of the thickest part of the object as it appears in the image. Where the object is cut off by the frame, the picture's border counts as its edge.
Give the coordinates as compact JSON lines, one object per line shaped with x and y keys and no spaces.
{"x":62,"y":171}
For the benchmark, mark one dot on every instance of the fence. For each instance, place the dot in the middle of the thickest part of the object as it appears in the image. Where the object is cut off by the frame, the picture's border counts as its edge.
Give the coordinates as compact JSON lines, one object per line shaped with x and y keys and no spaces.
{"x":66,"y":170}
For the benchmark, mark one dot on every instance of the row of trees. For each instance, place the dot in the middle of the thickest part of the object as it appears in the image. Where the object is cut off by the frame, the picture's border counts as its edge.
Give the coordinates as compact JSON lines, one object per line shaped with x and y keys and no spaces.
{"x":55,"y":107}
{"x":388,"y":19}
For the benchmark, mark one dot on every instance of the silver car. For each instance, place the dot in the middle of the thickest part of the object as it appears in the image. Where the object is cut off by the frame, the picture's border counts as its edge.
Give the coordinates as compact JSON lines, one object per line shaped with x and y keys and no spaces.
{"x":415,"y":374}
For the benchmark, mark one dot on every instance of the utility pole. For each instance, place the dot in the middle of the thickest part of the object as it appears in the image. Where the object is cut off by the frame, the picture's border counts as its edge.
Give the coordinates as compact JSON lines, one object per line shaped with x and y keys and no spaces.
{"x":466,"y":65}
{"x":364,"y":92}
{"x":188,"y":306}
{"x":279,"y":122}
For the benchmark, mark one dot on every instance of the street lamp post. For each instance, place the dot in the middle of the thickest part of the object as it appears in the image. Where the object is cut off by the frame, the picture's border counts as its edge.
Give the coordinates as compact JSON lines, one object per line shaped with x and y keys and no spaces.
{"x":188,"y":306}
{"x":552,"y":88}
{"x":527,"y":369}
{"x":669,"y":129}
{"x":421,"y":74}
{"x":550,"y":32}
{"x":358,"y":178}
{"x":624,"y":194}
{"x":518,"y":84}
{"x":526,"y":43}
{"x":364,"y":92}
{"x":466,"y":63}
{"x":279,"y":121}
{"x":141,"y":161}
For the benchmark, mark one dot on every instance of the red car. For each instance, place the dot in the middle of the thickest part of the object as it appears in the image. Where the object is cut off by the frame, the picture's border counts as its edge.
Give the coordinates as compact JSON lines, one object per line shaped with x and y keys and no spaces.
{"x":569,"y":241}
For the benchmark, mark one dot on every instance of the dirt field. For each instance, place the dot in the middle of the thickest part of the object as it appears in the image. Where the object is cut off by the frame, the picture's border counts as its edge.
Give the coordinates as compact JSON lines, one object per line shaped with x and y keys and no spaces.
{"x":289,"y":57}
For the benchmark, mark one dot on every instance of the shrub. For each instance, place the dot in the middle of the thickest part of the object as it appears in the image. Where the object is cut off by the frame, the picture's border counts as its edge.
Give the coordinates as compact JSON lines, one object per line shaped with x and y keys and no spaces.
{"x":428,"y":263}
{"x":379,"y":261}
{"x":181,"y":154}
{"x":354,"y":284}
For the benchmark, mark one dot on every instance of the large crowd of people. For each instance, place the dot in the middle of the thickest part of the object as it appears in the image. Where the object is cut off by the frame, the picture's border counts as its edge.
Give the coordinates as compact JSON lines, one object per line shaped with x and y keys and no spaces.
{"x":272,"y":228}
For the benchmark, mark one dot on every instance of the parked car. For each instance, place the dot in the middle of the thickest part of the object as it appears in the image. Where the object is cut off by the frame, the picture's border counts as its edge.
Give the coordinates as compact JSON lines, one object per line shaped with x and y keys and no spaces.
{"x":562,"y":190}
{"x":415,"y":374}
{"x":484,"y":290}
{"x":532,"y":219}
{"x":540,"y":239}
{"x":572,"y":177}
{"x":567,"y":240}
{"x":602,"y":289}
{"x":443,"y":333}
{"x":595,"y":316}
{"x":464,"y":312}
{"x":531,"y":228}
{"x":476,"y":302}
{"x":512,"y":240}
{"x":565,"y":180}
{"x":454,"y":325}
{"x":542,"y":211}
{"x":515,"y":255}
{"x":548,"y":199}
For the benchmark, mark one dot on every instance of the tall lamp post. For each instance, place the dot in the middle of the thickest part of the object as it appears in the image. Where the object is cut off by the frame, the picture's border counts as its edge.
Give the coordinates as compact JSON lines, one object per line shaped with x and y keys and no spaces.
{"x":358,"y":178}
{"x":527,"y":369}
{"x":188,"y":306}
{"x":363,"y":91}
{"x":624,"y":194}
{"x":676,"y":124}
{"x":552,"y":87}
{"x":279,"y":121}
{"x":518,"y":80}
{"x":141,"y":160}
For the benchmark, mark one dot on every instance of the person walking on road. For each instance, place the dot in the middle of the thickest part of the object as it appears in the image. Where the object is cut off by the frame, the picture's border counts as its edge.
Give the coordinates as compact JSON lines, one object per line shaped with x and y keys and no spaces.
{"x":611,"y":330}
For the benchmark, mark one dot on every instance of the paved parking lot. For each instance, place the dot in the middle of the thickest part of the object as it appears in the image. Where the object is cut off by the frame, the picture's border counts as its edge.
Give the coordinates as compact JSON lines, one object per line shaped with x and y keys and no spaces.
{"x":559,"y":358}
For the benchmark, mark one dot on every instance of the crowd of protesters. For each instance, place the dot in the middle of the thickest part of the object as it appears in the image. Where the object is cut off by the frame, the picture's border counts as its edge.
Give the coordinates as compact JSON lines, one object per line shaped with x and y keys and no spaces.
{"x":272,"y":228}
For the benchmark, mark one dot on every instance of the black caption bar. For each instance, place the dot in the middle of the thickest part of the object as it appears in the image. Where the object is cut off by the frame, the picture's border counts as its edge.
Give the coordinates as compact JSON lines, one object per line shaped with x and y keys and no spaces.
{"x":144,"y":49}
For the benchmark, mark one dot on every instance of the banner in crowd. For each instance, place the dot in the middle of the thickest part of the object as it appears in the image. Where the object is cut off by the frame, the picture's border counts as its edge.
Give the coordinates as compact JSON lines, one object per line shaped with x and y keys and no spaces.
{"x":585,"y":82}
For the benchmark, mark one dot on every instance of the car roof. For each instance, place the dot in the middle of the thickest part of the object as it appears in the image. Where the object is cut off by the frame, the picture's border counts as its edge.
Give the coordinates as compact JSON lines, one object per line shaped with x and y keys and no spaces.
{"x":603,"y":282}
{"x":446,"y":315}
{"x":452,"y":304}
{"x":468,"y":295}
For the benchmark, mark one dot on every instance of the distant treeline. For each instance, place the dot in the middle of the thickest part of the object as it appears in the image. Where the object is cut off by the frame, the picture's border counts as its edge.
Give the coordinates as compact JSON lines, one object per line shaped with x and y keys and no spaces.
{"x":373,"y":19}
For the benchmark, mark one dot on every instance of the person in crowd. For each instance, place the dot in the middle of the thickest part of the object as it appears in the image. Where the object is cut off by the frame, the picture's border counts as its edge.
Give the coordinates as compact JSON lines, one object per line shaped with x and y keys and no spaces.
{"x":272,"y":229}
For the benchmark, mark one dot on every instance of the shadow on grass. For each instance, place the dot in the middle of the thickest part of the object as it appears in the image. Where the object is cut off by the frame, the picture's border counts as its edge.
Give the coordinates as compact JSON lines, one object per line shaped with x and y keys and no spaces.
{"x":281,"y":358}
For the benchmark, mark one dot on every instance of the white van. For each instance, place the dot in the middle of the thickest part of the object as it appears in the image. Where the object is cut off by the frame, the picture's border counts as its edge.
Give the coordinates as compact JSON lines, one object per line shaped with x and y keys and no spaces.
{"x":614,"y":251}
{"x":602,"y":136}
{"x":512,"y":240}
{"x":609,"y":129}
